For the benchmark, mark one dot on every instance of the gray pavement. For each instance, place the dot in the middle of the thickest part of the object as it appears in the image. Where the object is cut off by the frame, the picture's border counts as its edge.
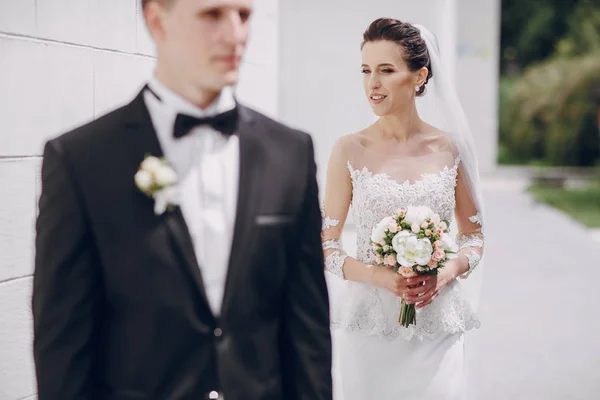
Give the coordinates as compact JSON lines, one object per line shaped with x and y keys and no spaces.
{"x":540,"y":334}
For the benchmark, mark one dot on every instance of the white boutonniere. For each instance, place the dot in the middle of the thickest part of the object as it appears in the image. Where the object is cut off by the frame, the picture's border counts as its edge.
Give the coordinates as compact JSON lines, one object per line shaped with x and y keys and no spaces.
{"x":158,"y":180}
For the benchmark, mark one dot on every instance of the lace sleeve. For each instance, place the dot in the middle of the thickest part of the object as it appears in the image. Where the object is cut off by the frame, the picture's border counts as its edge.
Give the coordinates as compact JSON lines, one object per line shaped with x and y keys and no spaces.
{"x":470,"y":237}
{"x":338,"y":194}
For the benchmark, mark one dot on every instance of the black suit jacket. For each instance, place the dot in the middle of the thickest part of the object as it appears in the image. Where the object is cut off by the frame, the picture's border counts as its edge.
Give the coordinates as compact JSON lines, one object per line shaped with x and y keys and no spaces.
{"x":119,"y":305}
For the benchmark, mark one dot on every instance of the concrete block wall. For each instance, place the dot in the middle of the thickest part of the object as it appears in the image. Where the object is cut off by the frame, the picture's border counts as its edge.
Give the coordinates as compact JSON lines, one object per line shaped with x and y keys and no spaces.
{"x":63,"y":63}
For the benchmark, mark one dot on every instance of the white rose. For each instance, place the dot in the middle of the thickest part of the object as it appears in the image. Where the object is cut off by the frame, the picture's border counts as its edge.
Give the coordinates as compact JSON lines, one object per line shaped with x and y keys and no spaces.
{"x":418,"y":215}
{"x":378,"y":233}
{"x":447,"y":242}
{"x":415,"y":228}
{"x":165,"y":198}
{"x":165,"y":176}
{"x":143,"y":180}
{"x":410,"y":250}
{"x":151,"y":164}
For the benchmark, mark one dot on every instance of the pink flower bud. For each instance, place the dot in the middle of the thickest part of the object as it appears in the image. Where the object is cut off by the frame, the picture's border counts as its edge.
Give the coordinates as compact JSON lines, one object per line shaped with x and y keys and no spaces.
{"x":438,"y":255}
{"x":406,"y":272}
{"x":390,"y":260}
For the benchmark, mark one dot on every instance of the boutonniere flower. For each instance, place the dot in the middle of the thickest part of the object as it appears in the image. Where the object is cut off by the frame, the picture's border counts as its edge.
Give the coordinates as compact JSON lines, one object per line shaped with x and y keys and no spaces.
{"x":158,"y":180}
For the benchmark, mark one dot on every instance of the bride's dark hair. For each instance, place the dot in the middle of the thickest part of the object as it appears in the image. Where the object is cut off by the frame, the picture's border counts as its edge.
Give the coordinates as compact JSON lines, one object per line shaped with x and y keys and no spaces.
{"x":407,"y":36}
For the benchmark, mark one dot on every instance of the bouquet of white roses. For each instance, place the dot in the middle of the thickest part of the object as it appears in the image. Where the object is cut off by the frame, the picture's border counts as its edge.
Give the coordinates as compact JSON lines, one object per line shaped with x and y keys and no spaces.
{"x":414,"y":242}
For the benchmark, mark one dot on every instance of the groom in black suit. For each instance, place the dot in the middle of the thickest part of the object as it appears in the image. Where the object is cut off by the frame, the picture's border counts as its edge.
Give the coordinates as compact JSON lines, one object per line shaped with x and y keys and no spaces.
{"x":220,"y":295}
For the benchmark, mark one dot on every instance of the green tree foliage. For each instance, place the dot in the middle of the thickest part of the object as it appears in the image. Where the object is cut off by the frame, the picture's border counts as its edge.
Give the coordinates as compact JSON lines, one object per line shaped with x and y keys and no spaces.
{"x":549,"y":111}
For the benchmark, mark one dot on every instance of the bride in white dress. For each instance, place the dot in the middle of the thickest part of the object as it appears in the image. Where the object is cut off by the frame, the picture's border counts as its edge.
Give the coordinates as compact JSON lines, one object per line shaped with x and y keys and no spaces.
{"x":398,"y":161}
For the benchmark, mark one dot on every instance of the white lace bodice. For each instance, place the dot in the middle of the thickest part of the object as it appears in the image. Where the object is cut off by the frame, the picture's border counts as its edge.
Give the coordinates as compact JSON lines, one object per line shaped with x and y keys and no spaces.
{"x":374,"y":196}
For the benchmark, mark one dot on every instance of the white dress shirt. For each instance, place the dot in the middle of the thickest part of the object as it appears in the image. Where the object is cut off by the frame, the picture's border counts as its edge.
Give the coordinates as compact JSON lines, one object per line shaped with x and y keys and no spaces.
{"x":207,"y":166}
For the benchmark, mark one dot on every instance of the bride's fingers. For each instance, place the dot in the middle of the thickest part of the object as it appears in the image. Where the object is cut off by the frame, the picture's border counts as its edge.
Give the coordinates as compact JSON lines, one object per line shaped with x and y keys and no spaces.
{"x":416,"y":291}
{"x":419,"y":280}
{"x":419,"y":290}
{"x":428,"y":301}
{"x":418,"y":285}
{"x":424,"y":296}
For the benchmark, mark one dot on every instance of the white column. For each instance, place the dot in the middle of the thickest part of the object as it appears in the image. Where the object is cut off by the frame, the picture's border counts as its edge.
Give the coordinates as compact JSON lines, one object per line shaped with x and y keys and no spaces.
{"x":477,"y":73}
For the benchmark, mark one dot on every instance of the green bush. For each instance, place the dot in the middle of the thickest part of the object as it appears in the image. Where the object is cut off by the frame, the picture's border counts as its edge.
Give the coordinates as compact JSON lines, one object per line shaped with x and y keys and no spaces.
{"x":548,"y":114}
{"x":582,"y":203}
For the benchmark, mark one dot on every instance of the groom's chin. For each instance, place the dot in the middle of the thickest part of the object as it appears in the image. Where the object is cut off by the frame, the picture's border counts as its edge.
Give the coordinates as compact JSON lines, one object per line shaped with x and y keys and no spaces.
{"x":230,"y":78}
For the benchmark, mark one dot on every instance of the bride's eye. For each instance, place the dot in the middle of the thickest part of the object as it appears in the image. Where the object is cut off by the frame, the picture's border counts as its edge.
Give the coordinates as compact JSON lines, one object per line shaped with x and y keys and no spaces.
{"x":365,"y":71}
{"x":387,"y":71}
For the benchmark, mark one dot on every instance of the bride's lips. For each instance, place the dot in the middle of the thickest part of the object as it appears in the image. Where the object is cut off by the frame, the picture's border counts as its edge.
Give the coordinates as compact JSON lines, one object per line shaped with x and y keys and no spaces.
{"x":376,"y":98}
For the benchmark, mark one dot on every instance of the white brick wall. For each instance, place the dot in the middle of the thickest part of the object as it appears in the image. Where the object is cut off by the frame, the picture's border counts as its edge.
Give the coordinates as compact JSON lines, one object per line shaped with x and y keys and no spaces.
{"x":62,"y":63}
{"x":16,"y":364}
{"x":259,"y":78}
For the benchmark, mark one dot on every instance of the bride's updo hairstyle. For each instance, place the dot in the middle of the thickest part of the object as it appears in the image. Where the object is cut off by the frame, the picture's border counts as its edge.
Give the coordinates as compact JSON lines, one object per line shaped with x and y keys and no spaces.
{"x":414,"y":49}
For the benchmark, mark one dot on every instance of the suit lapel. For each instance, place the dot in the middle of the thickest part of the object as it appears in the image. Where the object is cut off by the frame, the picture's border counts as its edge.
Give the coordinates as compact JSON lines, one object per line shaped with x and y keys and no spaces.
{"x":251,"y":171}
{"x":142,"y":140}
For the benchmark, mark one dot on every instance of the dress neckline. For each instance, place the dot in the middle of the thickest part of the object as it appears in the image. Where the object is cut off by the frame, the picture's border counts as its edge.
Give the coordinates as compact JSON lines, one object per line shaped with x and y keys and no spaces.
{"x":425,"y":177}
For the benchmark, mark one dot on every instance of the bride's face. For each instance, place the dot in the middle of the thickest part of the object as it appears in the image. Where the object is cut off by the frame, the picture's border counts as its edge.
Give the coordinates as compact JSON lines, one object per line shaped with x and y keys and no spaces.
{"x":388,"y":82}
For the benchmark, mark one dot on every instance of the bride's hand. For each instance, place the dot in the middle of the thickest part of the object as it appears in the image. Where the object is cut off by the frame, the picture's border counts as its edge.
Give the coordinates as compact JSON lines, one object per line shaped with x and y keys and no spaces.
{"x":439,"y":282}
{"x":396,"y":284}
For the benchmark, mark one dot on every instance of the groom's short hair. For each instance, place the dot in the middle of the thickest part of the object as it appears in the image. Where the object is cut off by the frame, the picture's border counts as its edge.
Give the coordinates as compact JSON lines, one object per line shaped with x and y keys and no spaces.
{"x":164,"y":2}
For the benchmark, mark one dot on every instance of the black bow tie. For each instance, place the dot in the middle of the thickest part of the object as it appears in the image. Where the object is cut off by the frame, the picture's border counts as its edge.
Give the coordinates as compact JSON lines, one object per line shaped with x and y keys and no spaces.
{"x":226,"y":123}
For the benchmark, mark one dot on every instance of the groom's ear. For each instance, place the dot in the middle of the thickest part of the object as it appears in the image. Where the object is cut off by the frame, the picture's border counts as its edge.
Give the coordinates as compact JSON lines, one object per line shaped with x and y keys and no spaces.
{"x":154,"y":11}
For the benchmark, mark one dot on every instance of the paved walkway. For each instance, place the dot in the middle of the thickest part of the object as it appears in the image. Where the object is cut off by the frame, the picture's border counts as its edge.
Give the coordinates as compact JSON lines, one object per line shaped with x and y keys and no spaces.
{"x":540,"y":335}
{"x":540,"y":308}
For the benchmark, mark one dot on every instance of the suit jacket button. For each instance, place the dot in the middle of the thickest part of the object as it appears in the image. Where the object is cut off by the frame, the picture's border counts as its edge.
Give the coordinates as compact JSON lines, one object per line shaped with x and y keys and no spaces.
{"x":213,"y":395}
{"x":218,"y":332}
